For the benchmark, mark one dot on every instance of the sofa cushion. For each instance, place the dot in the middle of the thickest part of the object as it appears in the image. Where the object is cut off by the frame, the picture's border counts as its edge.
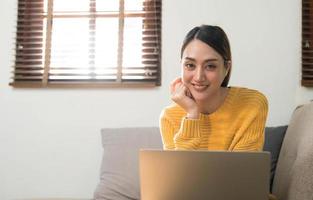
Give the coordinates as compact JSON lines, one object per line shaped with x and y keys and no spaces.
{"x":294,"y":173}
{"x":274,"y":137}
{"x":119,"y":174}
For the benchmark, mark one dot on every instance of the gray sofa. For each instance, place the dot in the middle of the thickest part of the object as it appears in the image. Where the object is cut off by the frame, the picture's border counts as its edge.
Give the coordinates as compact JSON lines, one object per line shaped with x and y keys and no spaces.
{"x":293,"y":161}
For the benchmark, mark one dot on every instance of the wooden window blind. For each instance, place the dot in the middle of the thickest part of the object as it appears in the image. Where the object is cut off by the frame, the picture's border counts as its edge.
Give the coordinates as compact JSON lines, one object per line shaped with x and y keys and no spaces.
{"x":307,"y":43}
{"x":87,"y":43}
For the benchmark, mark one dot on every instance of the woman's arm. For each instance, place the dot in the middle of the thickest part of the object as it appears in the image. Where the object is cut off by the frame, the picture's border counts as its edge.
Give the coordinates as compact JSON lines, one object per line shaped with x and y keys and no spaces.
{"x":185,"y":135}
{"x":250,"y":136}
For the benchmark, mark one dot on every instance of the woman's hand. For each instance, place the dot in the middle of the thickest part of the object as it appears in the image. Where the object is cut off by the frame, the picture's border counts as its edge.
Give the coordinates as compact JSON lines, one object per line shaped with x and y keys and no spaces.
{"x":181,"y":95}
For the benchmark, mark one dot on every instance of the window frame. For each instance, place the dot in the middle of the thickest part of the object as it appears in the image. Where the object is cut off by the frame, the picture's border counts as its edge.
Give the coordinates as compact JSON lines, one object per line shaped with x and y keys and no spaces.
{"x":307,"y":44}
{"x":148,"y":21}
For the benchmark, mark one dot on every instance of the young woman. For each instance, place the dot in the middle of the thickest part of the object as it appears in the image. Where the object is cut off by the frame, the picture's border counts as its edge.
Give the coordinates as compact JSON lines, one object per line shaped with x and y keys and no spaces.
{"x":207,"y":114}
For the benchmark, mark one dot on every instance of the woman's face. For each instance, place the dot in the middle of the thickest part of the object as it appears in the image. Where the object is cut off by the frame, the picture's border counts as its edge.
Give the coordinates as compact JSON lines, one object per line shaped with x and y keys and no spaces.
{"x":203,"y":70}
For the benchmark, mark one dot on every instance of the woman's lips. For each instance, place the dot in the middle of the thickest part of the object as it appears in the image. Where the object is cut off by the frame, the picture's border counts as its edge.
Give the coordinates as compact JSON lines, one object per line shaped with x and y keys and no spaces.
{"x":200,"y":87}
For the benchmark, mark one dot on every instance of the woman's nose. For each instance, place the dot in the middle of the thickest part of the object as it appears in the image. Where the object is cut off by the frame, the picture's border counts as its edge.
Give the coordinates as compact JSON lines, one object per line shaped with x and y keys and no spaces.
{"x":199,"y":76}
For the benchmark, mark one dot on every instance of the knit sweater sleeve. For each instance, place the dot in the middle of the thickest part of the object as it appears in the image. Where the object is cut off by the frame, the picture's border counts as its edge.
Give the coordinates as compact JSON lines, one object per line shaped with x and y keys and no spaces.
{"x":179,"y":135}
{"x":250,"y":136}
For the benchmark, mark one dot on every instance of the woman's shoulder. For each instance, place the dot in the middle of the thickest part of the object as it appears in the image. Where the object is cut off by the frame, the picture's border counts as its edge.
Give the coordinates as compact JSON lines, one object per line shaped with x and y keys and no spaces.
{"x":173,"y":110}
{"x":247,"y":96}
{"x":247,"y":92}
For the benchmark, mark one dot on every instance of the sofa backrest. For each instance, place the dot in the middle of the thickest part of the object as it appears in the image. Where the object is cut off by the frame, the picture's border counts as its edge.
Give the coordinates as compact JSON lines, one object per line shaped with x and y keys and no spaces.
{"x":119,"y":173}
{"x":294,"y":173}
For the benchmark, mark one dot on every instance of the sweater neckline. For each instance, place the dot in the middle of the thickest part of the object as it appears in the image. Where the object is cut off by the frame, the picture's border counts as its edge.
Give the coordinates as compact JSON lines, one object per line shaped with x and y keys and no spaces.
{"x":230,"y":93}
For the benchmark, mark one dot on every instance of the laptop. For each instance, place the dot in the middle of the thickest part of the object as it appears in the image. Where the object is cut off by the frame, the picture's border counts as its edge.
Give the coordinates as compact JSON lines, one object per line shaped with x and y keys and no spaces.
{"x":204,"y":175}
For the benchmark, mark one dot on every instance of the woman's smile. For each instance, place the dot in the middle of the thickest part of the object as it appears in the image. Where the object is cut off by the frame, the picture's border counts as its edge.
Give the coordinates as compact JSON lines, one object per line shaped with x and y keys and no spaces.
{"x":200,"y":87}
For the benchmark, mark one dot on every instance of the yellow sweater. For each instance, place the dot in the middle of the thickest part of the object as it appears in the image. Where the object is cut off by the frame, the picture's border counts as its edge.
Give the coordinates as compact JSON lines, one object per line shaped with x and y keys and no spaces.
{"x":238,"y":124}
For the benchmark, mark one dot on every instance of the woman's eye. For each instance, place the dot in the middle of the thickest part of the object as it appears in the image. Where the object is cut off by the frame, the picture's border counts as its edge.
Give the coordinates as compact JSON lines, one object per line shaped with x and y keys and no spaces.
{"x":210,"y":67}
{"x":189,"y":66}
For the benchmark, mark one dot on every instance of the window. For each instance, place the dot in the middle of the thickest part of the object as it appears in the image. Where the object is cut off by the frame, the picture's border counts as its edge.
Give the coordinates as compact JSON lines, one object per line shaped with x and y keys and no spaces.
{"x":307,"y":43}
{"x":87,"y":42}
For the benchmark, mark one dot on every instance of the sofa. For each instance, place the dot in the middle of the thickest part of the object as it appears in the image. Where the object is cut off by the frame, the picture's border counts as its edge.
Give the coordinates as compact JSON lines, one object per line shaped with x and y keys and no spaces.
{"x":291,"y":167}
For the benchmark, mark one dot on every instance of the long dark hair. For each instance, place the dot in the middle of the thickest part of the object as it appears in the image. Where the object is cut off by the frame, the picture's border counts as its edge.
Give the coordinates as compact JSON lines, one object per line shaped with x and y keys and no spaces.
{"x":215,"y":37}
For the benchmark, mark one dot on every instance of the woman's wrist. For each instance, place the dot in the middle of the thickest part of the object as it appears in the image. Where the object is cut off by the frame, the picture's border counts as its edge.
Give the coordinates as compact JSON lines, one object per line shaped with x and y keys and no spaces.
{"x":193,"y":115}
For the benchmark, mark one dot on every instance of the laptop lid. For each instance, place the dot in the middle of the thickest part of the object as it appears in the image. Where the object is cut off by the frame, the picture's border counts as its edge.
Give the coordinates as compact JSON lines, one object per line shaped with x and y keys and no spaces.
{"x":197,"y":175}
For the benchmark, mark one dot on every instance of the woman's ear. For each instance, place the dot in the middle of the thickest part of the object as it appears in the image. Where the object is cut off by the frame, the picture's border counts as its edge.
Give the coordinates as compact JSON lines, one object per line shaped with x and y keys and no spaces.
{"x":227,"y":66}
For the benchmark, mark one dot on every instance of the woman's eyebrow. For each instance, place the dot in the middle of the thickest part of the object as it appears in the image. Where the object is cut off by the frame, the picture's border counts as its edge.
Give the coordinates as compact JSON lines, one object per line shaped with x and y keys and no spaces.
{"x":207,"y":60}
{"x":189,"y":58}
{"x":211,"y":59}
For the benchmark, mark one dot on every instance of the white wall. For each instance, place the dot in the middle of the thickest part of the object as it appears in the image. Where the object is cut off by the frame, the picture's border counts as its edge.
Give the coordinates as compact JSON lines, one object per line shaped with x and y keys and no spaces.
{"x":50,"y":139}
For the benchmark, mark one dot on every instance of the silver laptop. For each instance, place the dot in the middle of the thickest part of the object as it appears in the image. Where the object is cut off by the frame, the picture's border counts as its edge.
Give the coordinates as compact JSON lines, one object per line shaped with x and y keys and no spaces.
{"x":204,"y":175}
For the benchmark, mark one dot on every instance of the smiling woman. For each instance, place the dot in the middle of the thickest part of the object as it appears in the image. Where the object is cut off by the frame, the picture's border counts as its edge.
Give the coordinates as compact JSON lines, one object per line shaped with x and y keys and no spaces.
{"x":207,"y":114}
{"x":87,"y":42}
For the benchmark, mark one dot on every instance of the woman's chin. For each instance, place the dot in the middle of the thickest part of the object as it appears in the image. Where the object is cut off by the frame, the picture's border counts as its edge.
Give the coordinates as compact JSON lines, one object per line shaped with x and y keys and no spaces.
{"x":199,"y":97}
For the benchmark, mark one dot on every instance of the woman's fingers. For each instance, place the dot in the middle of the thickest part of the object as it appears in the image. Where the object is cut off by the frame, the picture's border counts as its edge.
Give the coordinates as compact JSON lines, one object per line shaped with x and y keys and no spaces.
{"x":179,"y":92}
{"x":174,"y":83}
{"x":188,"y":93}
